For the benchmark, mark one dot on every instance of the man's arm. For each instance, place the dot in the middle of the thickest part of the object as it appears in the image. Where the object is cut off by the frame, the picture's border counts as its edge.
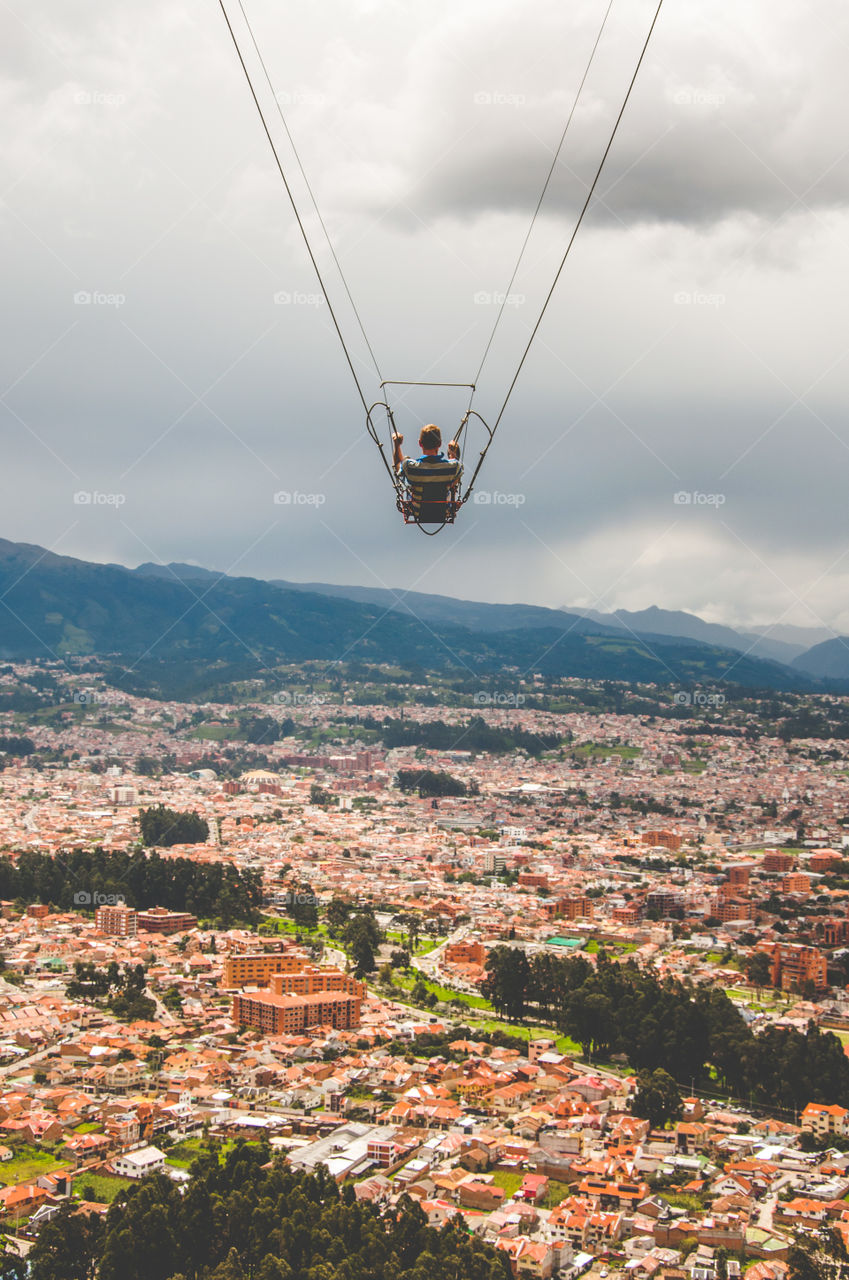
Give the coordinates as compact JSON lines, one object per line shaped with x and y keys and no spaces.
{"x":397,"y":452}
{"x":454,"y":451}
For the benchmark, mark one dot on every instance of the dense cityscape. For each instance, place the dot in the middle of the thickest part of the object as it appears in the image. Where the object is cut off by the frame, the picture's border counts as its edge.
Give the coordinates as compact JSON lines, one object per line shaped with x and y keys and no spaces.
{"x":561,"y":967}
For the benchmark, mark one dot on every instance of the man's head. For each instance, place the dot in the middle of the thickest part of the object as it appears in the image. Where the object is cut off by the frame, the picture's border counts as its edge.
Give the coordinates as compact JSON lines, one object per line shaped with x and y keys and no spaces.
{"x":430,"y":439}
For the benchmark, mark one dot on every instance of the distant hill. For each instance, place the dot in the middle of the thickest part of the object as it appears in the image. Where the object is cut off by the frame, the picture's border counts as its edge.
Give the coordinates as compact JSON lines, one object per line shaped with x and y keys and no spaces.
{"x":175,"y":572}
{"x":826,"y":661}
{"x":803,"y":637}
{"x":475,"y":615}
{"x":760,"y":642}
{"x":190,"y":617}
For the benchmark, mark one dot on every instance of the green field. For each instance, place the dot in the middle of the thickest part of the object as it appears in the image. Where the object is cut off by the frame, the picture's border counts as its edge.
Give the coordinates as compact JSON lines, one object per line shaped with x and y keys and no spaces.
{"x":28,"y":1164}
{"x":423,"y":946}
{"x":406,"y":981}
{"x":214,"y":732}
{"x":480,"y":1022}
{"x":105,"y":1187}
{"x":183,"y":1154}
{"x":510,"y":1183}
{"x":602,"y":749}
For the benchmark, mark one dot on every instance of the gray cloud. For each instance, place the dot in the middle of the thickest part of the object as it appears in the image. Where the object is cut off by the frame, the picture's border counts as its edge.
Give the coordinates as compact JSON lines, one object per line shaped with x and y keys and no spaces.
{"x":696,"y":343}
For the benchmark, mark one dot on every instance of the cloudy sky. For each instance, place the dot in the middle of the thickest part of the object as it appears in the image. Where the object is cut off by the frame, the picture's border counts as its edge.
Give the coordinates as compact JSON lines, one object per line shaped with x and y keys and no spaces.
{"x":679,"y":433}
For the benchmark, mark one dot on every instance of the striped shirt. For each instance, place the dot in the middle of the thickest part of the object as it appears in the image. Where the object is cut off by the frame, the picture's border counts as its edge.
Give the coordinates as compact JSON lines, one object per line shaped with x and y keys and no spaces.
{"x":429,"y":479}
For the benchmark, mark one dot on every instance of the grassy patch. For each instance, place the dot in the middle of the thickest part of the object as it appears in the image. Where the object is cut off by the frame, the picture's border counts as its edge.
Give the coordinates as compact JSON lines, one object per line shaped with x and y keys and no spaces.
{"x":183,"y":1154}
{"x":511,"y":1181}
{"x":104,"y":1187}
{"x":406,"y":981}
{"x":88,"y":1126}
{"x":28,"y":1164}
{"x":478,"y":1007}
{"x":684,"y":1200}
{"x":423,"y":946}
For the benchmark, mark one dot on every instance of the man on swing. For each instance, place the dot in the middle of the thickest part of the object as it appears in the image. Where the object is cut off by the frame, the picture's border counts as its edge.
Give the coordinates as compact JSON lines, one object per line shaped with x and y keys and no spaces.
{"x":432,"y":479}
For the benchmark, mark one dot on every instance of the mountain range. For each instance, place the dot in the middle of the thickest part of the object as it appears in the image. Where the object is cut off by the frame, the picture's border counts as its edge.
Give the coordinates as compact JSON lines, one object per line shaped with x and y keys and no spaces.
{"x":64,"y":607}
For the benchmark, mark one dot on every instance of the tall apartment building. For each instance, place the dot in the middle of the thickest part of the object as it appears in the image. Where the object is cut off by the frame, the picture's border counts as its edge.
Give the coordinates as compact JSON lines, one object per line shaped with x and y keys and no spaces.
{"x":465,"y":953}
{"x":662,"y":839}
{"x":312,"y":980}
{"x":666,"y":902}
{"x":775,"y":860}
{"x":794,"y":964}
{"x":728,"y":909}
{"x":312,"y":997}
{"x":255,"y":969}
{"x":738,"y":878}
{"x":577,"y":907}
{"x":533,"y":879}
{"x":120,"y":922}
{"x":796,"y":882}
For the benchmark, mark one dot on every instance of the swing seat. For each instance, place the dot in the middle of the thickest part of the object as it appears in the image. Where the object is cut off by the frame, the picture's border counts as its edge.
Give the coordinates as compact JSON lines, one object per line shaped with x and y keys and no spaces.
{"x":438,"y":508}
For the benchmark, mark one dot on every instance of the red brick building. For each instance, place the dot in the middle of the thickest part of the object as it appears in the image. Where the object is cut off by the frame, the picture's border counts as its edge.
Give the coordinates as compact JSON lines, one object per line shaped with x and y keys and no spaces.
{"x":465,"y":953}
{"x":281,"y":1015}
{"x":158,"y":920}
{"x":792,"y":965}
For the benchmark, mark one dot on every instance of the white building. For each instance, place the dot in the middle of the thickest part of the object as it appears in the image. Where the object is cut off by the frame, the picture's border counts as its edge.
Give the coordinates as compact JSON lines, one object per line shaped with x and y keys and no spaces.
{"x":135,"y":1164}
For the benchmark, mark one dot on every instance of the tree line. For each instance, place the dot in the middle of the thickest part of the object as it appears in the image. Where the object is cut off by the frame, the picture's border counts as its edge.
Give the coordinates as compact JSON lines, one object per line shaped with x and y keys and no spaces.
{"x":122,"y":989}
{"x":251,"y":1217}
{"x":429,"y":782}
{"x":474,"y":735}
{"x":695,"y":1034}
{"x":82,"y":877}
{"x":162,"y":827}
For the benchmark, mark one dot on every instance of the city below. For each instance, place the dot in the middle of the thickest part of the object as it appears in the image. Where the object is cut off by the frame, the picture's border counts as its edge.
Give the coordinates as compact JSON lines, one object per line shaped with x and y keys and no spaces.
{"x":563,"y":963}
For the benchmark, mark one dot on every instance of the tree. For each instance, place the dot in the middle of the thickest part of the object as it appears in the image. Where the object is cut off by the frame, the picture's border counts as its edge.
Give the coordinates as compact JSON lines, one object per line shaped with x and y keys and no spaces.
{"x":67,"y":1247}
{"x":427,"y":782}
{"x":657,"y":1098}
{"x":758,"y":969}
{"x":163,"y":827}
{"x":362,"y":937}
{"x":337,"y":912}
